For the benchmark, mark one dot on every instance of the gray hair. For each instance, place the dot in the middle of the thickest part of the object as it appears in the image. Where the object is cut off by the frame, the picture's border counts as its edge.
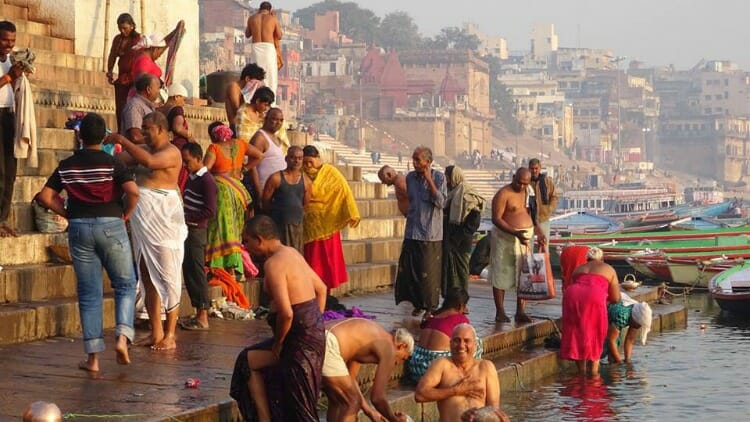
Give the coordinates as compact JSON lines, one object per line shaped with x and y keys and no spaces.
{"x":594,"y":254}
{"x":424,"y":151}
{"x":403,"y":336}
{"x":462,"y":326}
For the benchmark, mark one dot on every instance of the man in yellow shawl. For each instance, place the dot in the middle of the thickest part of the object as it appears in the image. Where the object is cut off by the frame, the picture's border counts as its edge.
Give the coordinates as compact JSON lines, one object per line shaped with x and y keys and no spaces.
{"x":463,"y":213}
{"x":331,"y":208}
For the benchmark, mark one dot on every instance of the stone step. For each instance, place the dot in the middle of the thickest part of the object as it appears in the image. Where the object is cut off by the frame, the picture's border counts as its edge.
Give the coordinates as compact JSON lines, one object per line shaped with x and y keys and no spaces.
{"x":68,"y":60}
{"x":366,"y":190}
{"x":48,"y":160}
{"x":13,"y":13}
{"x":24,"y":26}
{"x":375,"y":228}
{"x":44,"y":42}
{"x":31,"y":283}
{"x":26,"y":187}
{"x":367,"y":278}
{"x":70,"y":79}
{"x":372,"y":250}
{"x":377,"y":208}
{"x":29,"y":248}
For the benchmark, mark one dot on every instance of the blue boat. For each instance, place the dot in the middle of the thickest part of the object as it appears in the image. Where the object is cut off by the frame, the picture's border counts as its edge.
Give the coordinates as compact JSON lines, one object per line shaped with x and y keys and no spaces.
{"x":583,"y":222}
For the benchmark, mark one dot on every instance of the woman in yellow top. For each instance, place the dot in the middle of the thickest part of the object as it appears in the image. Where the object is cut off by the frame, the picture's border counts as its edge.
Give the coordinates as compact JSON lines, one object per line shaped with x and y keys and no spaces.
{"x":331,"y":208}
{"x":225,"y":159}
{"x":250,"y":117}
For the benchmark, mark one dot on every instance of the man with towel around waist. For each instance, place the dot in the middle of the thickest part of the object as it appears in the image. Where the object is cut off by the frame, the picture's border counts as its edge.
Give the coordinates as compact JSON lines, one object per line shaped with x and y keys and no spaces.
{"x":265,"y":33}
{"x":512,"y":230}
{"x":158,"y":226}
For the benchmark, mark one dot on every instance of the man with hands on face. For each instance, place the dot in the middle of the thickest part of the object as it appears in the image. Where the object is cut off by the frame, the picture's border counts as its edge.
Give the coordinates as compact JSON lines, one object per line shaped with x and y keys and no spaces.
{"x":420,"y":265}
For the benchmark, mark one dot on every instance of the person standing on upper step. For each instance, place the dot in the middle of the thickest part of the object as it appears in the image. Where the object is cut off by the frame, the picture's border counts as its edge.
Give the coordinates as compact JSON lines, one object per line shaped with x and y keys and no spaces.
{"x":273,"y":157}
{"x":545,"y":195}
{"x":264,"y":31}
{"x":95,"y":183}
{"x":8,"y":161}
{"x":420,"y":265}
{"x":147,"y":92}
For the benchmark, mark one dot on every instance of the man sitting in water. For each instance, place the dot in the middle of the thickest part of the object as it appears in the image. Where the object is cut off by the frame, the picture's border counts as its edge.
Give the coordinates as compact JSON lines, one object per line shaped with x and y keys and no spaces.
{"x":462,"y":381}
{"x":350,"y":343}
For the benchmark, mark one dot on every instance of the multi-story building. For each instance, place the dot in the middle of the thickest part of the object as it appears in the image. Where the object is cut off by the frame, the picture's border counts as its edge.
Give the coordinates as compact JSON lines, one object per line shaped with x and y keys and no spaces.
{"x":543,"y":40}
{"x":488,"y":45}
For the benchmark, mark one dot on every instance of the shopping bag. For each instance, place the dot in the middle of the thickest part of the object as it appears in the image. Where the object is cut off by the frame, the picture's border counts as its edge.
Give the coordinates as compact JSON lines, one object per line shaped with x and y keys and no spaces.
{"x":535,"y":281}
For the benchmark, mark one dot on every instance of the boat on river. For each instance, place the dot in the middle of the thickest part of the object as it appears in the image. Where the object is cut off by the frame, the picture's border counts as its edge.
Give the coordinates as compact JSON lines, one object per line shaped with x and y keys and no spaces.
{"x":731,"y":289}
{"x":582,"y":222}
{"x":595,"y":239}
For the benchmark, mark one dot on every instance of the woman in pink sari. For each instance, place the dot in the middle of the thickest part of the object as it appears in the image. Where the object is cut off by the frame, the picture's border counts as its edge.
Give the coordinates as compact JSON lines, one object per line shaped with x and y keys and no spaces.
{"x":584,"y":312}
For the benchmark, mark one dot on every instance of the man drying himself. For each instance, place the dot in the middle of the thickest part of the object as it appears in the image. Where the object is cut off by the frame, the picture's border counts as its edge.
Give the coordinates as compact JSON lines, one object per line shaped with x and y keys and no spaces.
{"x":264,"y":31}
{"x":158,"y":227}
{"x":95,"y":183}
{"x":513,"y":229}
{"x":280,"y":378}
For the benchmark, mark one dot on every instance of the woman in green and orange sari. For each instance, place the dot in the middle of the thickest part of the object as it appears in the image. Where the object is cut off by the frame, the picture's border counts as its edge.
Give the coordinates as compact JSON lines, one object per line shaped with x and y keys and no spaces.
{"x":225,"y":158}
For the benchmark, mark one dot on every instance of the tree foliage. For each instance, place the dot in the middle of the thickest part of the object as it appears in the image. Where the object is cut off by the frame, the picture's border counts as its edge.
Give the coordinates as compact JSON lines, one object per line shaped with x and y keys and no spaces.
{"x":398,"y":31}
{"x":501,"y":99}
{"x":355,"y":22}
{"x":453,"y":38}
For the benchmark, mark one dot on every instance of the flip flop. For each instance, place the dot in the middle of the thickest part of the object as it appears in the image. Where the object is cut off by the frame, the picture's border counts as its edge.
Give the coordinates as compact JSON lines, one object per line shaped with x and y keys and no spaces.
{"x":192,"y":324}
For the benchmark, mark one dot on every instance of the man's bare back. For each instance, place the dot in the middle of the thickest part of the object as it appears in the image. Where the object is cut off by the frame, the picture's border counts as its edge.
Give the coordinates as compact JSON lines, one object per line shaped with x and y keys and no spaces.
{"x":263,"y":26}
{"x":289,"y":267}
{"x":399,"y":184}
{"x":366,"y":341}
{"x":166,"y":176}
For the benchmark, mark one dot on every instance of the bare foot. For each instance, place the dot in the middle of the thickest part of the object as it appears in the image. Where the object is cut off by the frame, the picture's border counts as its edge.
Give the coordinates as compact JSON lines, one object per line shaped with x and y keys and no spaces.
{"x":502,"y":318}
{"x":121,"y":349}
{"x":147,"y":341}
{"x":522,"y":318}
{"x":89,"y":365}
{"x":6,"y":231}
{"x":168,"y":343}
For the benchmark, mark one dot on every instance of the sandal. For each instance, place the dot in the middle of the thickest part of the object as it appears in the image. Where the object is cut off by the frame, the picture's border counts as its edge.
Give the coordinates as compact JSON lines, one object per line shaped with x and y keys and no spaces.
{"x":192,"y":324}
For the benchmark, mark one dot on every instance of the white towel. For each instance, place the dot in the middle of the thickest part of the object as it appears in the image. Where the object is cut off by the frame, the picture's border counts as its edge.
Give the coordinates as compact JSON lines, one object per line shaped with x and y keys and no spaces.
{"x":25,"y":143}
{"x":159,"y":231}
{"x":264,"y":54}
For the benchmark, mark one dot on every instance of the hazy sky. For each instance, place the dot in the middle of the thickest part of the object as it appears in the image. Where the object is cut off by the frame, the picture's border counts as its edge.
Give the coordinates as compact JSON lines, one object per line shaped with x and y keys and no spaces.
{"x":659,"y":32}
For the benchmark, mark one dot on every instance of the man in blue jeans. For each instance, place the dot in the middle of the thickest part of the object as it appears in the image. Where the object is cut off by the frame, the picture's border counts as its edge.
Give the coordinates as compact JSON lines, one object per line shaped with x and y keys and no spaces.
{"x":101,"y":197}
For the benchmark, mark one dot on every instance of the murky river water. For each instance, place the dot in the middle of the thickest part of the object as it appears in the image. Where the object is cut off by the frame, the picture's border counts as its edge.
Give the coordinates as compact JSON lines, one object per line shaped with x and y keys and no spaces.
{"x":683,"y":375}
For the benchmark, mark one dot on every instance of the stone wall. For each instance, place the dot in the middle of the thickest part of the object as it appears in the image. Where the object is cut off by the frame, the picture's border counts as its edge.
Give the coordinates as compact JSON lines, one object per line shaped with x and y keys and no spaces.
{"x":84,"y":20}
{"x":415,"y":132}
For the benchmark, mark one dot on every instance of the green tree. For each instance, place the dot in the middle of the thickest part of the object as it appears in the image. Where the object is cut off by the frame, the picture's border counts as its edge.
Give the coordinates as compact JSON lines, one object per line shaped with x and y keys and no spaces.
{"x":453,"y":38}
{"x":357,"y":23}
{"x":501,"y":99}
{"x":398,"y":30}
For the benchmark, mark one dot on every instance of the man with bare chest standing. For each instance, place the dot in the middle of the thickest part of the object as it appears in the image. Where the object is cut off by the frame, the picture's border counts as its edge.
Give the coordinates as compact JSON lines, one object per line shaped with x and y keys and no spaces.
{"x":264,"y":31}
{"x":512,"y":230}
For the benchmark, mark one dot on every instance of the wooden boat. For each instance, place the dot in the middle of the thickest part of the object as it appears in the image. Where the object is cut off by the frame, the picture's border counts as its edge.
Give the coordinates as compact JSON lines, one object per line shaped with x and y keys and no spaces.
{"x":685,"y":267}
{"x":710,"y":245}
{"x":706,"y":223}
{"x":694,"y":272}
{"x":593,"y":239}
{"x":731,"y":289}
{"x":582,"y":222}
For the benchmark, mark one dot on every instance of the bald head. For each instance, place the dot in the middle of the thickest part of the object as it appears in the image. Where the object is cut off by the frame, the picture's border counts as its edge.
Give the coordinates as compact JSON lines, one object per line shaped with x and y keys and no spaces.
{"x":387,"y":175}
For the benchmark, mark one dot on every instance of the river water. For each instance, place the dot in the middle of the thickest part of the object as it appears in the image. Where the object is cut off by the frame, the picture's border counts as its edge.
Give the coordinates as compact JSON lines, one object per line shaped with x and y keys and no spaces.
{"x":695,"y":374}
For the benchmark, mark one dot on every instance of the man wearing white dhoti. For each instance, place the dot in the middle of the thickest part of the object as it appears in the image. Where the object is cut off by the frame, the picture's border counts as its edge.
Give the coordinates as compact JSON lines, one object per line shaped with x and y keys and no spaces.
{"x":264,"y":31}
{"x":158,"y":226}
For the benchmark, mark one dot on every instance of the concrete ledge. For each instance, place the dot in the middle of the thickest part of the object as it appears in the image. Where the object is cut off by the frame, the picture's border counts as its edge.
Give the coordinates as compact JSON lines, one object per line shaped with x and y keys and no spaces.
{"x":375,"y":228}
{"x":367,"y":278}
{"x":29,"y":248}
{"x":376,"y":250}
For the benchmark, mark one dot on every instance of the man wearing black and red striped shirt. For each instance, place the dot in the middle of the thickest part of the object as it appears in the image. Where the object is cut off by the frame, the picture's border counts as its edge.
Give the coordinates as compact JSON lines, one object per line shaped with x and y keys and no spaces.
{"x":101,"y":196}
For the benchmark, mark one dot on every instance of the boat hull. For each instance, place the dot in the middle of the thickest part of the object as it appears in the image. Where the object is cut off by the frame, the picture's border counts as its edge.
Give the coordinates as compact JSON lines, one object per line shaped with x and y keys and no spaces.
{"x":736,"y":303}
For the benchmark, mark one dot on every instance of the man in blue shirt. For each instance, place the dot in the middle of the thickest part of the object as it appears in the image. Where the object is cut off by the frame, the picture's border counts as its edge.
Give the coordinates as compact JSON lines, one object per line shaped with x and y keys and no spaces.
{"x":420,"y":265}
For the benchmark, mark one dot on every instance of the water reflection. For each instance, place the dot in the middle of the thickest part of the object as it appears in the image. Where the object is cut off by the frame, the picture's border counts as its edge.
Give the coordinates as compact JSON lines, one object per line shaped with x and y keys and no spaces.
{"x":690,"y":374}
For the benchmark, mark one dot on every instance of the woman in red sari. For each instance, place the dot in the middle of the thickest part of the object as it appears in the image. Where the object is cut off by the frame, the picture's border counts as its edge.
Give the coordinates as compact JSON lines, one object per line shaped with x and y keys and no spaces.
{"x":122,"y":52}
{"x":584,"y":312}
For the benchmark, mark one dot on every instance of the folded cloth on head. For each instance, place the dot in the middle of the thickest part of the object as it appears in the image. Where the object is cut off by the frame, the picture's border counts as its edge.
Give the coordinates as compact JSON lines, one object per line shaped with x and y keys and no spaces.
{"x":642,"y":314}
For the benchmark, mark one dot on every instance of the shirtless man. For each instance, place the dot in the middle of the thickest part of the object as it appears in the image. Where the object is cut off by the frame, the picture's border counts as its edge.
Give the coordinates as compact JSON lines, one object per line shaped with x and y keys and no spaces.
{"x":241,"y":92}
{"x":460,"y":382}
{"x":297,"y":295}
{"x":265,"y":33}
{"x":513,"y":228}
{"x":350,"y":343}
{"x":157,"y":226}
{"x":390,"y":177}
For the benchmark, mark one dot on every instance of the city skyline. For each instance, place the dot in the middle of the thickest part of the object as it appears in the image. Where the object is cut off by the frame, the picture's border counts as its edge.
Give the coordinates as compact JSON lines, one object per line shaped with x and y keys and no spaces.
{"x":678,"y":32}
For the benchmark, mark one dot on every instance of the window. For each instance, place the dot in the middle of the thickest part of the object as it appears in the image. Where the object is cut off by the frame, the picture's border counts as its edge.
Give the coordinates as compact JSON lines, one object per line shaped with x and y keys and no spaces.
{"x":718,"y":96}
{"x":708,"y":97}
{"x":707,"y":110}
{"x":332,"y":68}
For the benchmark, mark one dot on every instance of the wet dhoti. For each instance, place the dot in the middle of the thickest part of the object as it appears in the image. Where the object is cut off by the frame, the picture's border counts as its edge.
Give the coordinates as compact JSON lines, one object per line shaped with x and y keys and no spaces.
{"x":506,"y":252}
